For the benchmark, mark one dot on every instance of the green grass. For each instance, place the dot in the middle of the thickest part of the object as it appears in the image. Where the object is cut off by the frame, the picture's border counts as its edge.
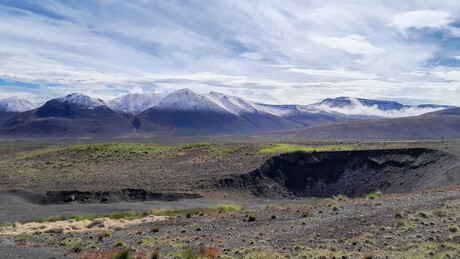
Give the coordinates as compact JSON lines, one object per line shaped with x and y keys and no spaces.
{"x":287,"y":148}
{"x":126,"y":148}
{"x":78,"y":245}
{"x":373,"y":196}
{"x":136,"y":214}
{"x":214,"y":210}
{"x":341,"y":198}
{"x":29,"y":163}
{"x":226,"y":150}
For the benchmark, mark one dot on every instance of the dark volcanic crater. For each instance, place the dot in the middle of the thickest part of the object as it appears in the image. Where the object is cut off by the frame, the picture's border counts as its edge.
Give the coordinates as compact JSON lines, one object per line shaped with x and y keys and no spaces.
{"x":351,"y":173}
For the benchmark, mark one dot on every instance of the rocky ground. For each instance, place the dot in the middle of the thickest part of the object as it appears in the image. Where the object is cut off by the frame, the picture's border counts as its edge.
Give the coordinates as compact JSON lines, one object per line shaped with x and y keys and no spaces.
{"x":413,"y":225}
{"x":410,"y":224}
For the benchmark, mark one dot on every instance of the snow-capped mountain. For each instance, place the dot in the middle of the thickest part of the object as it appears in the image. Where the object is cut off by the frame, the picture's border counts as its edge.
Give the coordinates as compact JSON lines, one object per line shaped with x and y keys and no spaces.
{"x":82,"y":100}
{"x":15,"y":104}
{"x":72,"y":115}
{"x":185,"y":112}
{"x":135,"y":103}
{"x":187,"y":100}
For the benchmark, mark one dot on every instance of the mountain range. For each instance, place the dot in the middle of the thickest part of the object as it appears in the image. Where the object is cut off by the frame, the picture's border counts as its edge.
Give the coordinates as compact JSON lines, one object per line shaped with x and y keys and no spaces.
{"x":185,"y":112}
{"x":435,"y":125}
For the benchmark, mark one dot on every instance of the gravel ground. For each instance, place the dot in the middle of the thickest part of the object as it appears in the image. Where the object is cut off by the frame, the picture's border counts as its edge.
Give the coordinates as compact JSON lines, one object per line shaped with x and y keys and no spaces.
{"x":390,"y":226}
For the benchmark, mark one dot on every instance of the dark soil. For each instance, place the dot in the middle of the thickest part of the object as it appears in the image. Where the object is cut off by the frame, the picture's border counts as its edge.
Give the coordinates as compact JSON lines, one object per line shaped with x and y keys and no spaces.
{"x":53,"y":197}
{"x":351,"y":173}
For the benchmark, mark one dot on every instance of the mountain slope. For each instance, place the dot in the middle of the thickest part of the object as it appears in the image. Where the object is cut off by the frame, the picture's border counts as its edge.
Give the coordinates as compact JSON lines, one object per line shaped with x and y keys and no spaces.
{"x":12,"y":106}
{"x":15,"y":104}
{"x":435,"y":125}
{"x":73,"y":115}
{"x":186,"y":113}
{"x":135,"y":103}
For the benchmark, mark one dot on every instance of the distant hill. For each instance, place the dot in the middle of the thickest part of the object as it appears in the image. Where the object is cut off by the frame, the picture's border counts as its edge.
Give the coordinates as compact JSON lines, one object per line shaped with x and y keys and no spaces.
{"x":435,"y":125}
{"x":73,"y":115}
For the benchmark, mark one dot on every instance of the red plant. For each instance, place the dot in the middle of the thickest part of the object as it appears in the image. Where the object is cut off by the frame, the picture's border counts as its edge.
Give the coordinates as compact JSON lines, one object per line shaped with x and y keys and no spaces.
{"x":209,"y":252}
{"x":21,"y":243}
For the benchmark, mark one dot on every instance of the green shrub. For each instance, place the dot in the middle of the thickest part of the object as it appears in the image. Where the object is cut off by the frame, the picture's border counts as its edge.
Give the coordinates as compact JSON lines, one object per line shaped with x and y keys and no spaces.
{"x":400,"y":223}
{"x":373,"y":196}
{"x":423,"y":214}
{"x":453,"y":228}
{"x":78,"y":247}
{"x":252,"y":217}
{"x":155,"y":229}
{"x":341,"y":198}
{"x":439,"y":212}
{"x":101,"y":235}
{"x":123,"y":254}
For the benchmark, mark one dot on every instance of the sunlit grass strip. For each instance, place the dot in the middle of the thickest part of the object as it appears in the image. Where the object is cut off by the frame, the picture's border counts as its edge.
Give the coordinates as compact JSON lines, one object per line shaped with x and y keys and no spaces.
{"x":136,"y":214}
{"x":286,"y":148}
{"x":227,"y":150}
{"x":133,"y":148}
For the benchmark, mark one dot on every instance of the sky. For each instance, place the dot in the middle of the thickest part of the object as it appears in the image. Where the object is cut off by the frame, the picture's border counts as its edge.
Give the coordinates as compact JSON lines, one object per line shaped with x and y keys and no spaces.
{"x":277,"y":51}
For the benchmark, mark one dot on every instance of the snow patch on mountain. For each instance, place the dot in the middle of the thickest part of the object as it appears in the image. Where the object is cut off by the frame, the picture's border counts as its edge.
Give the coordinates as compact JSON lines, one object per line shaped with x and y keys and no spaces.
{"x":82,"y":100}
{"x":135,"y":103}
{"x":232,"y":104}
{"x":277,"y":110}
{"x":187,"y":100}
{"x":15,"y":104}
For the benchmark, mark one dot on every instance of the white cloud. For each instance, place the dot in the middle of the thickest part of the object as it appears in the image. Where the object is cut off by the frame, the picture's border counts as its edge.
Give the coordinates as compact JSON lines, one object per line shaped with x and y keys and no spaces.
{"x":445,"y":73}
{"x":354,"y":44}
{"x":241,"y":48}
{"x":136,"y":90}
{"x":357,"y":108}
{"x":252,"y":56}
{"x":422,"y":19}
{"x":333,"y":73}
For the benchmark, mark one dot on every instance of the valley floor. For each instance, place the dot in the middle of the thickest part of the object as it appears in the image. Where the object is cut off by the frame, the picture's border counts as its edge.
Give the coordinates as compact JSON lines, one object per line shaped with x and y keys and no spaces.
{"x":413,"y":225}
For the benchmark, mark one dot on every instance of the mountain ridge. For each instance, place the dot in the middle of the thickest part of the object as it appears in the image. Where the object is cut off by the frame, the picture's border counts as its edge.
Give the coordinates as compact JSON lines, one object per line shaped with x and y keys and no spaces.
{"x":185,"y":112}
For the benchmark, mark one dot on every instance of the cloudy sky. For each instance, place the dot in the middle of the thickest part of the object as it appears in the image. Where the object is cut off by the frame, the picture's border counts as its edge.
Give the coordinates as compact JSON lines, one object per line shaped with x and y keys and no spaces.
{"x":271,"y":51}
